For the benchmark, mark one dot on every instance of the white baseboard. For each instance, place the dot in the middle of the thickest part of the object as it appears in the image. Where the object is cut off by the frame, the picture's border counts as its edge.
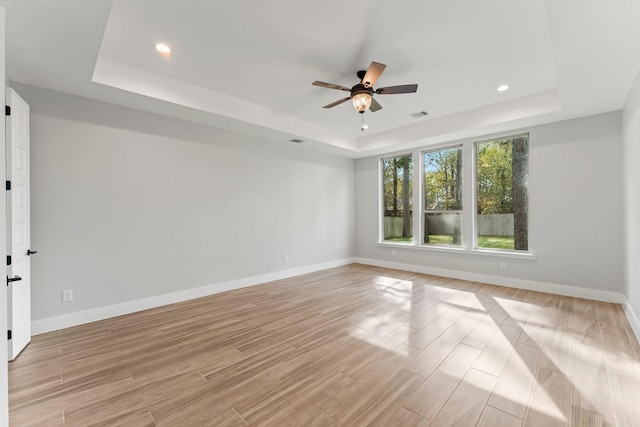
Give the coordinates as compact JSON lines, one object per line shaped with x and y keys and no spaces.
{"x":100,"y":313}
{"x":78,"y":318}
{"x":551,"y":288}
{"x":633,"y":319}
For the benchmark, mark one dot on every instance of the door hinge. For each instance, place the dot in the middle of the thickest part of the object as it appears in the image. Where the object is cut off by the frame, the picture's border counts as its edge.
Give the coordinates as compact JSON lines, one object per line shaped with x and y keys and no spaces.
{"x":8,"y":259}
{"x":7,"y":110}
{"x":8,"y":185}
{"x":9,"y":334}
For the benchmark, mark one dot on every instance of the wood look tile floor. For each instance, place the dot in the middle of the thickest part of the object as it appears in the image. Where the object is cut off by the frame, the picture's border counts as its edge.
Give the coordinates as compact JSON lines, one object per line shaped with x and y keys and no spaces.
{"x":352,"y":346}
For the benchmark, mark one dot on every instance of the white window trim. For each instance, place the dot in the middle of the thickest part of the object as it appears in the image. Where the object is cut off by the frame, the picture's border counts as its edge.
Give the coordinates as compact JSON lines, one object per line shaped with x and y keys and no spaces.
{"x":469,"y":238}
{"x":459,"y":250}
{"x":381,"y":192}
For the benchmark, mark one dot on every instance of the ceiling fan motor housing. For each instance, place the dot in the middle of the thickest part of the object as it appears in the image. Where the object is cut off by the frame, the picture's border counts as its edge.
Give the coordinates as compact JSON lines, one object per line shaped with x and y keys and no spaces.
{"x":360,"y":88}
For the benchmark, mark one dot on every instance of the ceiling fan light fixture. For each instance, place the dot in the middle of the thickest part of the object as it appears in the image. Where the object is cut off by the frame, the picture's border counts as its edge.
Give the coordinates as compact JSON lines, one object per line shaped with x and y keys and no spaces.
{"x":361,"y":101}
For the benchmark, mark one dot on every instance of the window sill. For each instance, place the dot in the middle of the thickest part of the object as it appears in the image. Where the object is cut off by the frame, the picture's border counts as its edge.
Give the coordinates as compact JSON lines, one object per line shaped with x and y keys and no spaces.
{"x":466,"y":251}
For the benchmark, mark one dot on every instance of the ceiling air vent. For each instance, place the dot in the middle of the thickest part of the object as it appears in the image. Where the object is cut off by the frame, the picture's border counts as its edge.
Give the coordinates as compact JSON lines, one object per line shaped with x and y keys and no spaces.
{"x":419,"y":114}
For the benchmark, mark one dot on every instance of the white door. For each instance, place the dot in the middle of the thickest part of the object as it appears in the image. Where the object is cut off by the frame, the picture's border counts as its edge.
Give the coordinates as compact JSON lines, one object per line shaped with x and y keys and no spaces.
{"x":18,"y":224}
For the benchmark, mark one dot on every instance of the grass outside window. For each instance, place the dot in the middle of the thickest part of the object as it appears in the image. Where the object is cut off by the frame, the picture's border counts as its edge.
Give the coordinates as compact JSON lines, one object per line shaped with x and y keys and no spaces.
{"x":484,"y":242}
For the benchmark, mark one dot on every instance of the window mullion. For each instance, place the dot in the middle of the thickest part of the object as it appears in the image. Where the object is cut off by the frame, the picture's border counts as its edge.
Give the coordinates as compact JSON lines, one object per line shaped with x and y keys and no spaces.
{"x":380,"y":202}
{"x":418,"y":195}
{"x":468,"y":196}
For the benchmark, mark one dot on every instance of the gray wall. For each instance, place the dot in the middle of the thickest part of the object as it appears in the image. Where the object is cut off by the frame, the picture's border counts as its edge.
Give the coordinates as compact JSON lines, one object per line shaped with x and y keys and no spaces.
{"x":575,"y":176}
{"x":632,"y":198}
{"x":128,"y":205}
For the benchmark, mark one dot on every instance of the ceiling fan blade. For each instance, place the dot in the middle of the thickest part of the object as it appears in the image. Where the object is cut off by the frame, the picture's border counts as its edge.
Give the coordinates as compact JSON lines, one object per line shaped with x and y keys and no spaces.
{"x":333,"y":104}
{"x":390,"y":90}
{"x":331,"y":86}
{"x":372,"y":74}
{"x":375,"y":105}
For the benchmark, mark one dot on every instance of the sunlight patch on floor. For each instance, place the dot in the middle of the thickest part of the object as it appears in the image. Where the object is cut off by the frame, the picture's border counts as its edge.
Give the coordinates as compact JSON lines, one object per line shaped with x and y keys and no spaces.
{"x":394,"y":290}
{"x":386,"y":330}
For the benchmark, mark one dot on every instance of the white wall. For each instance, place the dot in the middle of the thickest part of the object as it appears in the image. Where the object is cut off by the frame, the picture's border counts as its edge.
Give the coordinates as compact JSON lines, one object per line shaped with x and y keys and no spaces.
{"x":575,"y":175}
{"x":129,"y":205}
{"x":631,"y":178}
{"x":4,"y":396}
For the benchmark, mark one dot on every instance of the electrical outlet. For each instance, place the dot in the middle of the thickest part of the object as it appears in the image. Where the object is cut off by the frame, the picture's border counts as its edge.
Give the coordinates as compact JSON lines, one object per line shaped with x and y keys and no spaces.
{"x":503,"y":265}
{"x":286,"y":258}
{"x":67,"y":295}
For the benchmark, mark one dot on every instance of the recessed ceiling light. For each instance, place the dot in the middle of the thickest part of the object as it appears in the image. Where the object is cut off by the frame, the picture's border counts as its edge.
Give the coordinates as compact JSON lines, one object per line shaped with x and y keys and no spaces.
{"x":163,"y":48}
{"x":502,"y":88}
{"x":419,"y":114}
{"x":296,"y":140}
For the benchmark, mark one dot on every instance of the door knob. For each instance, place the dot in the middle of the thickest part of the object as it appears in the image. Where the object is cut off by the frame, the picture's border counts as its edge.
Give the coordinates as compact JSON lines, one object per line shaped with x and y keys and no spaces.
{"x":30,"y":252}
{"x":13,"y":279}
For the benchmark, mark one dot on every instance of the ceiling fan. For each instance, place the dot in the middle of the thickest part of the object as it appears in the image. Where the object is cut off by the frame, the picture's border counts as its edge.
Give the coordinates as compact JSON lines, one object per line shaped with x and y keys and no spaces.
{"x":362,"y":93}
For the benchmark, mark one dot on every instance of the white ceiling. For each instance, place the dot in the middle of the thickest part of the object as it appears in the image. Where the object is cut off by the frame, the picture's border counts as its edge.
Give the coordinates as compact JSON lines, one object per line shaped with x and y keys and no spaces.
{"x":248,"y":66}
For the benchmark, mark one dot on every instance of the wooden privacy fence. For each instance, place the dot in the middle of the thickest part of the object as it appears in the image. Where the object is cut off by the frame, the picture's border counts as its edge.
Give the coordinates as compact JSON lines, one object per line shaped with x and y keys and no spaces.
{"x":442,"y":224}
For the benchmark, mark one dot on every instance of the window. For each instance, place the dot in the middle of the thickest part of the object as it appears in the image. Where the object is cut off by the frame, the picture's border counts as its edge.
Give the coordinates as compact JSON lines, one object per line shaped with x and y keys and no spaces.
{"x":397,"y":184}
{"x":442,"y":207}
{"x":492,"y":175}
{"x":502,"y":176}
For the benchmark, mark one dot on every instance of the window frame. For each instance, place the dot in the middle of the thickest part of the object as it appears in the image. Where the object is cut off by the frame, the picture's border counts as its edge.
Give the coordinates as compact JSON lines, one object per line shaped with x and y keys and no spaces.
{"x":423,"y":189}
{"x":475,"y":145}
{"x":469,"y":190}
{"x":381,"y":206}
